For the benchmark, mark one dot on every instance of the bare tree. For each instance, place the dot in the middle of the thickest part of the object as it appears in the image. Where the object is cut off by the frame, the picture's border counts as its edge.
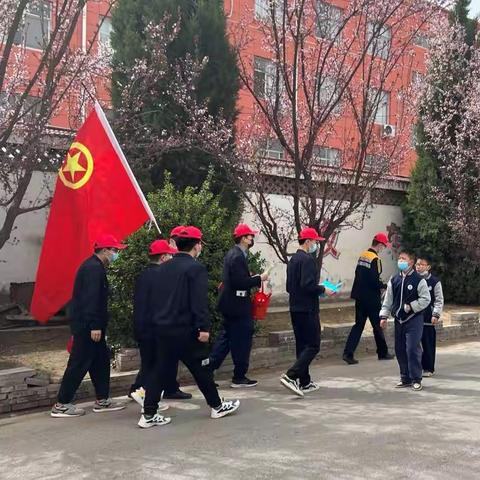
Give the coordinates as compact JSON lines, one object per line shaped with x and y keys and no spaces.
{"x":326,"y":76}
{"x":42,"y":74}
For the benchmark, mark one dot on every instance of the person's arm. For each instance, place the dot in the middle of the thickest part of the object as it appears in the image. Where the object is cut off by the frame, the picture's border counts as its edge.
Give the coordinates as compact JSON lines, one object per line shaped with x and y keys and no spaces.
{"x":309,"y":278}
{"x":374,"y":275}
{"x":387,"y":305}
{"x":439,"y":301}
{"x":240,"y":279}
{"x":199,"y":299}
{"x":424,"y":297}
{"x":91,"y":296}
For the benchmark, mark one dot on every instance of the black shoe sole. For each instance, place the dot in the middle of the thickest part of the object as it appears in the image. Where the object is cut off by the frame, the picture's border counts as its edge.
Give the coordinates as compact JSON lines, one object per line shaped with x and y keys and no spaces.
{"x":350,"y":361}
{"x":186,"y":396}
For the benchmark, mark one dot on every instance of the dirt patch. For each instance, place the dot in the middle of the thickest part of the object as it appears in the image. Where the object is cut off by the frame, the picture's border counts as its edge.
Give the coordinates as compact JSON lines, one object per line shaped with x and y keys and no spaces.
{"x":52,"y":362}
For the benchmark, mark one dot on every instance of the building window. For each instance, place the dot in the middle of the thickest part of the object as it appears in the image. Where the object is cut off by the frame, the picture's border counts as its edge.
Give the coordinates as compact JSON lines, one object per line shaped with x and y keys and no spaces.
{"x":380,"y":102}
{"x":264,"y":81}
{"x":417,"y":78}
{"x":29,"y":109}
{"x":329,"y":21}
{"x":328,"y":93}
{"x":421,"y":40}
{"x":414,"y":138}
{"x":375,"y":163}
{"x":263,"y":10}
{"x":104,"y":33}
{"x":35,"y":28}
{"x":326,"y":157}
{"x":271,"y":149}
{"x":380,"y":37}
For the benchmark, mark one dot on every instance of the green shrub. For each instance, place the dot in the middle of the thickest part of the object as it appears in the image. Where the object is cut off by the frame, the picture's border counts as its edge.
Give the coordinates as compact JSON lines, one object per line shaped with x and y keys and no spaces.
{"x":199,"y":207}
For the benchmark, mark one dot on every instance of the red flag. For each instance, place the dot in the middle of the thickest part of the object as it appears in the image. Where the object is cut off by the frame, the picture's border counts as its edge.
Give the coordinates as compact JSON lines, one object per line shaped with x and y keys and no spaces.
{"x":96,"y":193}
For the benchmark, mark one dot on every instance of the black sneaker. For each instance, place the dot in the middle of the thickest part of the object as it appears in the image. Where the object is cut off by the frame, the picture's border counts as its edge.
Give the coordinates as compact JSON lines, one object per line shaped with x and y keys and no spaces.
{"x":291,"y":384}
{"x":349,"y":359}
{"x":178,"y":395}
{"x":417,"y":386}
{"x":388,"y":356}
{"x":243,"y":383}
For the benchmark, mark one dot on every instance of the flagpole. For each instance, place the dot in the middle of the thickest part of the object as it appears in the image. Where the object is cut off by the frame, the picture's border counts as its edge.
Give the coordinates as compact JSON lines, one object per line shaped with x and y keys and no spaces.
{"x":121,"y":155}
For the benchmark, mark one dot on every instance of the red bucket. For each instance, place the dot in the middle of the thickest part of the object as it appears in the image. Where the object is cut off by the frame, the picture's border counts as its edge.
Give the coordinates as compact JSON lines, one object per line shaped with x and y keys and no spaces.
{"x":260,"y":302}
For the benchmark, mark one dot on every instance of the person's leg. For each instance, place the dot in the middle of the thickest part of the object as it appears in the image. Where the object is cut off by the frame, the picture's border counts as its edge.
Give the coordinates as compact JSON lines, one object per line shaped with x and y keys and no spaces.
{"x":308,"y":326}
{"x":356,"y":331}
{"x":428,"y":346}
{"x":172,"y":386}
{"x":100,"y":370}
{"x":221,"y":347}
{"x":296,"y":319}
{"x":241,"y":339}
{"x":166,"y":357}
{"x":147,"y":363}
{"x":401,"y":352}
{"x":194,"y":355}
{"x":378,"y":333}
{"x":414,"y":330}
{"x":78,"y":365}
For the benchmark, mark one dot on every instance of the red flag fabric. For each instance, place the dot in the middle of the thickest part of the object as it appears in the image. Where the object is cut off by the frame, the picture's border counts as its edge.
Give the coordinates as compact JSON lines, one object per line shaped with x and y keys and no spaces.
{"x":95,"y":193}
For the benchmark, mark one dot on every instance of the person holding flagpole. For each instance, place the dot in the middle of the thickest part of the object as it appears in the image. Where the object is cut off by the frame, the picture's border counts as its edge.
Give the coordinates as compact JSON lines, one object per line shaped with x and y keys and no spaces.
{"x":88,"y":322}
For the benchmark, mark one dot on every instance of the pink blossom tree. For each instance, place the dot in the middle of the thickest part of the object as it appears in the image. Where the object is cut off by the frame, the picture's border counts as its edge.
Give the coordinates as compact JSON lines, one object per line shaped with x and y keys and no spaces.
{"x":450,"y":111}
{"x":325,"y":77}
{"x":43,"y":74}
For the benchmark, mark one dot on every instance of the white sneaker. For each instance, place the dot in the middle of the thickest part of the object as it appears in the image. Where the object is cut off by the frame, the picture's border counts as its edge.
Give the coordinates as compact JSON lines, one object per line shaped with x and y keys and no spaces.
{"x":226,"y":408}
{"x":428,"y":374}
{"x":156,"y":420}
{"x":139,"y":396}
{"x":291,"y":384}
{"x":311,"y":387}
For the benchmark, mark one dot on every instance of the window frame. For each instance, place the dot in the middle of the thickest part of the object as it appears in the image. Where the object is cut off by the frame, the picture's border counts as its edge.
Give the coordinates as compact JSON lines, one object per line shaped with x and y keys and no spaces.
{"x":332,"y":34}
{"x":269,"y":79}
{"x":261,"y":10}
{"x":266,"y":148}
{"x":23,"y":30}
{"x":326,"y":161}
{"x":323,"y":87}
{"x":385,"y":93}
{"x":380,"y":52}
{"x":104,"y":47}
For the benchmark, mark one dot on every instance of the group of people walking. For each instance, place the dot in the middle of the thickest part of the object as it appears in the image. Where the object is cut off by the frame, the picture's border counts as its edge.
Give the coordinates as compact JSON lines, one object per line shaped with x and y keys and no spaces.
{"x":172,"y":322}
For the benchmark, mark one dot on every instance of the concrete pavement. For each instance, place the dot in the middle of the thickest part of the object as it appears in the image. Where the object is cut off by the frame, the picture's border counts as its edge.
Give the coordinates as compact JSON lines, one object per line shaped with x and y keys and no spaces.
{"x":356,"y":427}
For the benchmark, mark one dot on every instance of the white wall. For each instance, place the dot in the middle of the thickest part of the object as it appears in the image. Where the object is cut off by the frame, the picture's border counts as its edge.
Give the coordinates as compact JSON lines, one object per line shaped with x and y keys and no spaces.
{"x":19,"y":256}
{"x":349,"y":244}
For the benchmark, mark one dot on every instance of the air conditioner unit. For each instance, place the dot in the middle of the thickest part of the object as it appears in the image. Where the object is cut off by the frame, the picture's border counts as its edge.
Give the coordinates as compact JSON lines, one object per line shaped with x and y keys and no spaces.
{"x":388,"y":130}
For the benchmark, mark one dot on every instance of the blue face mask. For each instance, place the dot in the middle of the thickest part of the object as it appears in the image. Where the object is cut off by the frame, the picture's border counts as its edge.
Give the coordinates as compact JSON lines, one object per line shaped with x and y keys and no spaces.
{"x":402,"y":265}
{"x":313,"y":248}
{"x":114,"y":257}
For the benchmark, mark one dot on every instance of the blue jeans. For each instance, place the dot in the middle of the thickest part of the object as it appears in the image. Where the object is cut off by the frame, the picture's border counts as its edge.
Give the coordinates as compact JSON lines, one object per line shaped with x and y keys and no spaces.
{"x":236,"y":337}
{"x":408,"y":348}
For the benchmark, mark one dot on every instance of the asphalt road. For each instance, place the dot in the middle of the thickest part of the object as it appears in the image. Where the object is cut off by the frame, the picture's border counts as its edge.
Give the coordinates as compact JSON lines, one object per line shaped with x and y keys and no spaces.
{"x":356,"y":427}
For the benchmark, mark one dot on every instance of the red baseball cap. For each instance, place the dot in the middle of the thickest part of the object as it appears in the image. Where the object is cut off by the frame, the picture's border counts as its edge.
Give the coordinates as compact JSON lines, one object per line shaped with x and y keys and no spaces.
{"x":309,"y":234}
{"x":108,"y":241}
{"x":242,"y":229}
{"x":161,"y":247}
{"x":175,"y":230}
{"x":190,"y":232}
{"x":382,"y":237}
